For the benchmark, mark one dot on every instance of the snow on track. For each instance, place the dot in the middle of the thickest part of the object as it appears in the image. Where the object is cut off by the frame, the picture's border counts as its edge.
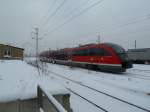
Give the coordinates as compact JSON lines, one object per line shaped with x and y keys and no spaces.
{"x":139,"y":72}
{"x":110,"y":84}
{"x":122,"y":86}
{"x":118,"y":80}
{"x":108,"y":103}
{"x":104,"y":93}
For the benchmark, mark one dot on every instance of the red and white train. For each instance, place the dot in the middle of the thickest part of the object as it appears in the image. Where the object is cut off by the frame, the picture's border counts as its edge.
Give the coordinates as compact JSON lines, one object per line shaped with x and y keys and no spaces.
{"x":105,"y":57}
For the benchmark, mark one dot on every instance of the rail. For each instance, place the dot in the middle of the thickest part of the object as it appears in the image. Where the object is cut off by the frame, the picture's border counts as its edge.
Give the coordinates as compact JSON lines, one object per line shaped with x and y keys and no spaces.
{"x":114,"y":97}
{"x":42,"y":91}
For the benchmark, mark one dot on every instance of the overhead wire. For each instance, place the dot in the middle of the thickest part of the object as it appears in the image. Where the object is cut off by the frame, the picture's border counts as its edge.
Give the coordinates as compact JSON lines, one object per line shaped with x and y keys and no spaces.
{"x":130,"y":22}
{"x":144,"y":18}
{"x":77,"y":15}
{"x":48,"y":11}
{"x":111,"y":33}
{"x":71,"y":12}
{"x":54,"y":13}
{"x":133,"y":21}
{"x":136,"y":21}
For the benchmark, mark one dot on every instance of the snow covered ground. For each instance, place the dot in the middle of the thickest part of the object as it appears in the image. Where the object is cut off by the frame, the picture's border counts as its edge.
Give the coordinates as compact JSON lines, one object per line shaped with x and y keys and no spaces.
{"x":123,"y":86}
{"x":18,"y":80}
{"x":132,"y":87}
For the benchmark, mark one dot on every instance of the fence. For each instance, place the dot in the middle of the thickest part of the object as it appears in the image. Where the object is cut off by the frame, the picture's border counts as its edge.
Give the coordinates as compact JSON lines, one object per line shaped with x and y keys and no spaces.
{"x":54,"y":105}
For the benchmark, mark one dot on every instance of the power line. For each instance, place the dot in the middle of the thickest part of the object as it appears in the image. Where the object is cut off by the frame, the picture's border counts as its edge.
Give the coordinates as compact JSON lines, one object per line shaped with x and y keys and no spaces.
{"x":144,"y":18}
{"x":72,"y":11}
{"x":79,"y":14}
{"x":50,"y":8}
{"x":54,"y":13}
{"x":130,"y":23}
{"x":81,"y":5}
{"x":136,"y":21}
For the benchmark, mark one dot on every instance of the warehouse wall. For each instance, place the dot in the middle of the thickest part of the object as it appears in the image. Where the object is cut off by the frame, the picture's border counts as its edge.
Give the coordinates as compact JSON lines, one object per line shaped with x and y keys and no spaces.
{"x":139,"y":55}
{"x":14,"y":52}
{"x":1,"y":51}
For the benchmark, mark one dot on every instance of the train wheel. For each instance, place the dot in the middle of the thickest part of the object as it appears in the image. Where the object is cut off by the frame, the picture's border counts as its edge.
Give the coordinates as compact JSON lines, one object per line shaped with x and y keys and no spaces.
{"x":95,"y":67}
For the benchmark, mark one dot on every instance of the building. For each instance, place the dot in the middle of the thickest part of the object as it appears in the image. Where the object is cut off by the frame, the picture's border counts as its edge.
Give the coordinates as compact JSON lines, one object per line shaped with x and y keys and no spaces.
{"x":139,"y":55}
{"x":10,"y":52}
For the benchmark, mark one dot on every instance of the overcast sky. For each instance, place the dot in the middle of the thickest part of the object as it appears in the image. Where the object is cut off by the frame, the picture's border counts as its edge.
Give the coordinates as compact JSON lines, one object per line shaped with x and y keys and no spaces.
{"x":75,"y":22}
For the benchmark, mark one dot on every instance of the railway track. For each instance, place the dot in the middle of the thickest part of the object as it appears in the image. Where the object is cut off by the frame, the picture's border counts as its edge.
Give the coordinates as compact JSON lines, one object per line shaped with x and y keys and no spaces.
{"x":99,"y":107}
{"x":138,"y":76}
{"x":133,"y":75}
{"x":101,"y":92}
{"x":141,"y":74}
{"x":141,"y":70}
{"x":128,"y":74}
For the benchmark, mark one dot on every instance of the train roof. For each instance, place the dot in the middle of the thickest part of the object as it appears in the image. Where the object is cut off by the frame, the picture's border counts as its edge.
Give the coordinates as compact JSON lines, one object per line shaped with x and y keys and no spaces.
{"x":83,"y":47}
{"x":95,"y":45}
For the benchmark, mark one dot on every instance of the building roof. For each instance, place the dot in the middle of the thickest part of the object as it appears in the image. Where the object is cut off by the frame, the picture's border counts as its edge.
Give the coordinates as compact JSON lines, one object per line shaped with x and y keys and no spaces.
{"x":12,"y":46}
{"x":139,"y":50}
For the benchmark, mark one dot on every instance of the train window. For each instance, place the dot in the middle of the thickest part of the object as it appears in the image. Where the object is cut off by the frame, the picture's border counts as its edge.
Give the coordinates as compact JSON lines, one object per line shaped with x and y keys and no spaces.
{"x":106,"y":53}
{"x":91,"y":52}
{"x":84,"y":52}
{"x":98,"y":51}
{"x":80,"y":52}
{"x":62,"y":55}
{"x":118,"y":49}
{"x":74,"y":53}
{"x":95,"y":51}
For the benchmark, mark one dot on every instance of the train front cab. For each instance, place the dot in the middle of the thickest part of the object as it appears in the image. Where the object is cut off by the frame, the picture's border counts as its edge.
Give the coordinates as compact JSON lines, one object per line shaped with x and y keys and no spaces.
{"x":122,"y":55}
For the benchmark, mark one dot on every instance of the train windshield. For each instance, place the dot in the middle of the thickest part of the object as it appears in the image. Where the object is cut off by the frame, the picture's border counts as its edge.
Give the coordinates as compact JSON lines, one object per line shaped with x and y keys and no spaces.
{"x":118,"y":49}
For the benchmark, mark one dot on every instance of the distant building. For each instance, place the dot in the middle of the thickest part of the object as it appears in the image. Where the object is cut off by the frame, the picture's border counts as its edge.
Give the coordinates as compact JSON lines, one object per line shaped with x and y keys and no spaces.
{"x":10,"y":52}
{"x":139,"y":55}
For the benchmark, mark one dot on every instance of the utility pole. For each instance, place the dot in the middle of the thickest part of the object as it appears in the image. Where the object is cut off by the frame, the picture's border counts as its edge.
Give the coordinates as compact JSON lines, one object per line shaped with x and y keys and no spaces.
{"x":37,"y":45}
{"x":135,"y":44}
{"x":37,"y":41}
